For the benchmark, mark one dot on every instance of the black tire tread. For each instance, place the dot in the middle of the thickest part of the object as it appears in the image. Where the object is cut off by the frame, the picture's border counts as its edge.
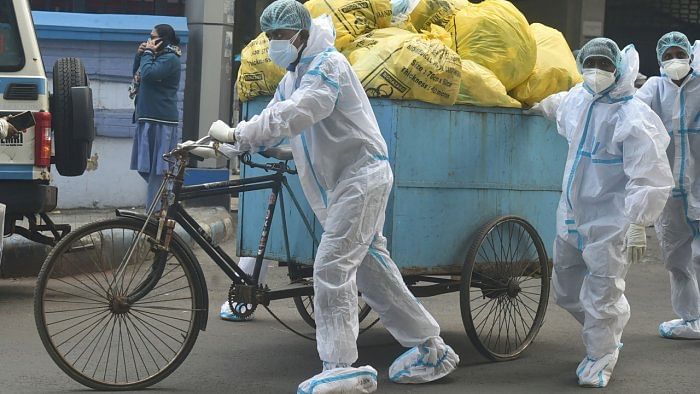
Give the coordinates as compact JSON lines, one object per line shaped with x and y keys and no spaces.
{"x":71,"y":156}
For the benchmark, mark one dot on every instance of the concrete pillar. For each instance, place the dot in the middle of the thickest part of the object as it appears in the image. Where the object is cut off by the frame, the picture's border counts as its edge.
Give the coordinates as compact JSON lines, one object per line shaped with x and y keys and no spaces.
{"x":209,"y":63}
{"x":209,"y":84}
{"x":592,"y":20}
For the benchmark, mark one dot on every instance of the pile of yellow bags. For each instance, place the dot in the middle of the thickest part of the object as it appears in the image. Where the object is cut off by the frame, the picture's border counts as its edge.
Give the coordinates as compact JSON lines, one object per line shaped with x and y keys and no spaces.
{"x":258,"y":75}
{"x":481,"y":87}
{"x":497,"y":36}
{"x":487,"y":54}
{"x":555,"y":69}
{"x":435,"y":12}
{"x":398,"y":64}
{"x":352,"y":18}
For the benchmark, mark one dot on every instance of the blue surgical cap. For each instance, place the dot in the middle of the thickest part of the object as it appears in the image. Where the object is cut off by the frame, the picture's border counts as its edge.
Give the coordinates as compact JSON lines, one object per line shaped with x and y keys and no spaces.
{"x":285,"y":14}
{"x":672,"y":39}
{"x":600,"y":47}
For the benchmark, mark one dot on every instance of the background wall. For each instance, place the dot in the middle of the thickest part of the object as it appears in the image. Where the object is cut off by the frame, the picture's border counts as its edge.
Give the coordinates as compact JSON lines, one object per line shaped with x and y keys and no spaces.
{"x":106,"y":44}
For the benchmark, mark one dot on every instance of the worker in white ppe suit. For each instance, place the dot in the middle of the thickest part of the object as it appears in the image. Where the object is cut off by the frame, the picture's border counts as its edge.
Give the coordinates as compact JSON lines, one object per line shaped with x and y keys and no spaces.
{"x":675,"y":97}
{"x":321,"y":107}
{"x":616,"y":182}
{"x":6,"y":130}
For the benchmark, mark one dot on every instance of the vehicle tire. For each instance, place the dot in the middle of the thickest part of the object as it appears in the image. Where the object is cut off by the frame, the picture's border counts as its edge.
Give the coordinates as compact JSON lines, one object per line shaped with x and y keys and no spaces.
{"x":504,"y":288}
{"x":87,"y":327}
{"x":71,"y":154}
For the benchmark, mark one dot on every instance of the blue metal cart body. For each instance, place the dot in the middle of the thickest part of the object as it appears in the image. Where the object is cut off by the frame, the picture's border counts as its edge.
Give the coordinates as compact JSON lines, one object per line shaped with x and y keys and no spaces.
{"x":455,"y":168}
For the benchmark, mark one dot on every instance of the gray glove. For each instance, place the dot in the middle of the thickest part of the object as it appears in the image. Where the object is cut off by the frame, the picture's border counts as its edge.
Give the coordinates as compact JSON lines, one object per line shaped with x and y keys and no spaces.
{"x":205,"y":152}
{"x":635,"y":243}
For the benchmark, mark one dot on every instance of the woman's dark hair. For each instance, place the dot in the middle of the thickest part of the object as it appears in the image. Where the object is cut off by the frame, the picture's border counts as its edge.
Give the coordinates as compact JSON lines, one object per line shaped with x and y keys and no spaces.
{"x":167,"y":34}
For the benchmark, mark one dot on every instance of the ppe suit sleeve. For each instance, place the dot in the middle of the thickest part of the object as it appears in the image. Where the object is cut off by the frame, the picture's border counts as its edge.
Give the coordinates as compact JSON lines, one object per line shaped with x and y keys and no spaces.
{"x":312,"y":102}
{"x":648,"y":90}
{"x":271,"y":143}
{"x":644,"y":141}
{"x":549,"y":106}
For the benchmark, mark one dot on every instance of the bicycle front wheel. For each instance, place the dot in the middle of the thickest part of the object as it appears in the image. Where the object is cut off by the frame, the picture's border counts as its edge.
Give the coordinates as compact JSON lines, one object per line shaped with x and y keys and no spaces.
{"x":90,"y":327}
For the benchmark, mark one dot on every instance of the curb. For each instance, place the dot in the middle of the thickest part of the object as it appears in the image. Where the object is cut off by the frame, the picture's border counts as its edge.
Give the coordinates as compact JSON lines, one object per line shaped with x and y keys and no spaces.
{"x":24,"y":258}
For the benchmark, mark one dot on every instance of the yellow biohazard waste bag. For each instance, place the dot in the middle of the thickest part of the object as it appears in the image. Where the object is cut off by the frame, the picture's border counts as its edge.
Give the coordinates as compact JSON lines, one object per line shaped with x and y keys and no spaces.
{"x":481,"y":87}
{"x":258,"y":75}
{"x":435,"y":12}
{"x":497,"y":36}
{"x":352,"y":18}
{"x":398,"y":64}
{"x":555,"y":70}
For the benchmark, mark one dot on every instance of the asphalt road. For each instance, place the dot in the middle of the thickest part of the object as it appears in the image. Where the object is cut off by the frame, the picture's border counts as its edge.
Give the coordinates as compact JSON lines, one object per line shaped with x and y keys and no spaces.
{"x":262,"y":357}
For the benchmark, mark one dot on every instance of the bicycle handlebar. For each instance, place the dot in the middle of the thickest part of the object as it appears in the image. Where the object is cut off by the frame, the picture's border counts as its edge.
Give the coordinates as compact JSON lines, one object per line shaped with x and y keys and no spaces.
{"x":184,"y":152}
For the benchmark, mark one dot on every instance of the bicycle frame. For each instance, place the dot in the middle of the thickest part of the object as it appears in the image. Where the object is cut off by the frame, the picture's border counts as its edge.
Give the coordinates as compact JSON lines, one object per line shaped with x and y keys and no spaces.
{"x":176,"y":213}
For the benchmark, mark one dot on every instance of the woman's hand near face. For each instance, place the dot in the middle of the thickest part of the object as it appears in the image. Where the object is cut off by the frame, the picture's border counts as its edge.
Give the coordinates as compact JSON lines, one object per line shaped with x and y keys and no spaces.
{"x":154,"y":45}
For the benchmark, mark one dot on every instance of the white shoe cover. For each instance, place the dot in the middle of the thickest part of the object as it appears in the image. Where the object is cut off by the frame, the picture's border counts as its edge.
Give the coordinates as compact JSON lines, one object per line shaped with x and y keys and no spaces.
{"x":424,"y":363}
{"x":597,"y":373}
{"x":680,"y":329}
{"x":341,"y":380}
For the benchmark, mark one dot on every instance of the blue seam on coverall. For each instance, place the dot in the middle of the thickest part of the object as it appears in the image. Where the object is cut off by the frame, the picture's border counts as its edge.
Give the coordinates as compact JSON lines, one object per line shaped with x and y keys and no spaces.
{"x":418,"y":363}
{"x":617,"y":160}
{"x":578,"y":154}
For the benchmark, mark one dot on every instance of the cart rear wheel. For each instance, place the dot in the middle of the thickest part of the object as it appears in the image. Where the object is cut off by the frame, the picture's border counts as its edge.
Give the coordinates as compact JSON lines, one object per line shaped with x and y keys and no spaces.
{"x":305,"y":306}
{"x":504,"y":288}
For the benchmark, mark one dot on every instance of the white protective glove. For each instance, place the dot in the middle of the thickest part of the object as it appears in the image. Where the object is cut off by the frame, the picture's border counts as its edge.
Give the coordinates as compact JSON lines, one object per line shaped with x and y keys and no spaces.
{"x":635,"y":243}
{"x":203,"y":152}
{"x":220,"y":131}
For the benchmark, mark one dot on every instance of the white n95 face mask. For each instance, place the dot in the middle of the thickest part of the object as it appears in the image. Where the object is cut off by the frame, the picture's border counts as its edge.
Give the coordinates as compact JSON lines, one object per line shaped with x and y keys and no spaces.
{"x":598,"y":80}
{"x":283,"y":52}
{"x":676,"y":69}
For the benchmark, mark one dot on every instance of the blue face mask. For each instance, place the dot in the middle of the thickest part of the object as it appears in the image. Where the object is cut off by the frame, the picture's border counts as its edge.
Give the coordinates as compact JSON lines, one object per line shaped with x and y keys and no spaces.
{"x":283,"y":52}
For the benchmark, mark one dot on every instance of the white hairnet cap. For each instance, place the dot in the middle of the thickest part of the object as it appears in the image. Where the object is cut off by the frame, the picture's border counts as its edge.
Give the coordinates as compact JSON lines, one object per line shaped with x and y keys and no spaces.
{"x":600,"y":47}
{"x":672,"y":39}
{"x":285,"y":14}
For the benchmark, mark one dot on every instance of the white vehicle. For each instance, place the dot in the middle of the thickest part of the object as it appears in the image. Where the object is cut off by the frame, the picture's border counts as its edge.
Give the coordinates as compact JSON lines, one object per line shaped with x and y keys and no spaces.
{"x":64,"y":128}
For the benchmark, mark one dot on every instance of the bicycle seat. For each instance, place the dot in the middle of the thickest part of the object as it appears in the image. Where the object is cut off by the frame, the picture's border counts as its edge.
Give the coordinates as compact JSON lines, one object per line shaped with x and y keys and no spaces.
{"x":283,"y":153}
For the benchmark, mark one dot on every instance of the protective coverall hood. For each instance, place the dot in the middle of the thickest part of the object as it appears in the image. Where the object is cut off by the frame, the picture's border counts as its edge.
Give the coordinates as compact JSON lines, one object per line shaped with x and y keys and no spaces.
{"x":321,"y":37}
{"x":628,"y":70}
{"x":670,"y":40}
{"x":694,"y":64}
{"x":626,"y":73}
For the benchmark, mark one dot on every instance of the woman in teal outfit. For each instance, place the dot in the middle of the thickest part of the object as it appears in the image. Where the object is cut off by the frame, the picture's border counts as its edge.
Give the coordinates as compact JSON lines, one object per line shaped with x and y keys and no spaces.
{"x":156,"y":82}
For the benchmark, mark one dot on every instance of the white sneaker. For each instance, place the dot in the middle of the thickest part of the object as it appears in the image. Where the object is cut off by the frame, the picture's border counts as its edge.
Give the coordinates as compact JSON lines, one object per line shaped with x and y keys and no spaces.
{"x":227,"y":314}
{"x":424,"y":363}
{"x":347,"y":380}
{"x":680,"y":329}
{"x":597,"y":373}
